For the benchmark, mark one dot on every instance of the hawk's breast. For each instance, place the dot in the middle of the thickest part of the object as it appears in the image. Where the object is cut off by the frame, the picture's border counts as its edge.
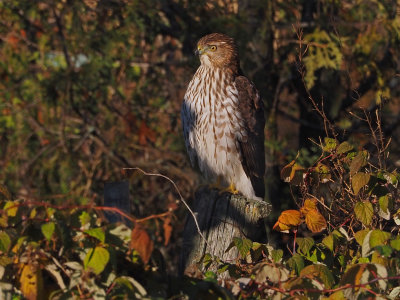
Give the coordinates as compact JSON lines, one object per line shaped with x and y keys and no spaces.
{"x":212,"y":123}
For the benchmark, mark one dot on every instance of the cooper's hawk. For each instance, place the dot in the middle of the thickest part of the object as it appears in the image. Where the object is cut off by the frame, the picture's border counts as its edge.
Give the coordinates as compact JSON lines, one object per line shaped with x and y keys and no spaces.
{"x":223,"y":119}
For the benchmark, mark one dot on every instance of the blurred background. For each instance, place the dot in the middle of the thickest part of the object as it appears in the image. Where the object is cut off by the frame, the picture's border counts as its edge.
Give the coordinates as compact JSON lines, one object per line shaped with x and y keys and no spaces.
{"x":88,"y":88}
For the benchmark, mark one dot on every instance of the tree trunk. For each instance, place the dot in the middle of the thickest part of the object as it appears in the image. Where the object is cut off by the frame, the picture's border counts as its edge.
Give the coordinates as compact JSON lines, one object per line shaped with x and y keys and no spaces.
{"x":221,"y":217}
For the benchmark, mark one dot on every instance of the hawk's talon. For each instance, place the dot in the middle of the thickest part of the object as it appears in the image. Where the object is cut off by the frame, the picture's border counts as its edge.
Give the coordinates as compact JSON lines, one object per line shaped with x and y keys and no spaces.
{"x":230,"y":189}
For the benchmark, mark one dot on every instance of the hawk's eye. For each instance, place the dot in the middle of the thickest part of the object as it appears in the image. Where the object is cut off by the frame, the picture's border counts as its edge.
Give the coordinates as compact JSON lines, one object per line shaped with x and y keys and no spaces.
{"x":213,"y":48}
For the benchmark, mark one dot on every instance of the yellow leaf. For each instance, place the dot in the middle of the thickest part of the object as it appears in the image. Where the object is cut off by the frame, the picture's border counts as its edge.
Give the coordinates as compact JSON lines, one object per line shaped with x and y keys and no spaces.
{"x":287,"y":220}
{"x":11,"y":208}
{"x":309,"y":204}
{"x":315,"y":221}
{"x":31,"y":282}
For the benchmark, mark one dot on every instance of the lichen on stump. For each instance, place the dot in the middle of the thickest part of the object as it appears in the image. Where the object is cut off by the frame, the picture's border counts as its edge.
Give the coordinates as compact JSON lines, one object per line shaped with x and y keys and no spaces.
{"x":221,"y":217}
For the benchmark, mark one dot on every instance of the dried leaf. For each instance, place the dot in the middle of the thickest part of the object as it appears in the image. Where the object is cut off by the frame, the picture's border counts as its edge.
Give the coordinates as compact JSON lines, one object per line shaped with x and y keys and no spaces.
{"x":319,"y":272}
{"x":4,"y":191}
{"x":315,"y":221}
{"x":145,"y":133}
{"x":141,"y":242}
{"x":344,"y":147}
{"x":359,"y":180}
{"x":358,"y":161}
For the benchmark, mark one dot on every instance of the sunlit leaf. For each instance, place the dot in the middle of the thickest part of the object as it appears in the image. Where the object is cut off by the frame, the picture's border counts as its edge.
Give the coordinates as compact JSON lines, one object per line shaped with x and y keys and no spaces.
{"x":48,"y":230}
{"x":364,"y":212}
{"x":309,"y":204}
{"x":378,"y":237}
{"x":395,"y":244}
{"x":329,"y":144}
{"x":287,"y":220}
{"x":97,"y":233}
{"x":315,"y":221}
{"x":31,"y":282}
{"x":11,"y":208}
{"x":5,"y":241}
{"x":96,"y":259}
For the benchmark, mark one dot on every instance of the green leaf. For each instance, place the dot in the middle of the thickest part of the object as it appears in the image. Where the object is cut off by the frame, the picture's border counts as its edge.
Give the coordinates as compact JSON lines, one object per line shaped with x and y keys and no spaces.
{"x":360,"y":235}
{"x":296,"y":262}
{"x":84,"y":218}
{"x":359,"y":180}
{"x":96,"y":259}
{"x":277,"y":255}
{"x":378,"y":238}
{"x":384,"y":250}
{"x":5,"y":241}
{"x":243,"y":245}
{"x":97,"y":233}
{"x":364,"y":212}
{"x":395,"y":243}
{"x":305,"y":244}
{"x":319,"y":272}
{"x":48,"y":230}
{"x":329,"y":144}
{"x":344,"y":147}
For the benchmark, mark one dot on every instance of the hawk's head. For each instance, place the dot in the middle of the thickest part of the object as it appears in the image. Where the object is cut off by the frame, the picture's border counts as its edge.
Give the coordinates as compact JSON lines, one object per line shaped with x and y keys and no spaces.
{"x":218,"y":50}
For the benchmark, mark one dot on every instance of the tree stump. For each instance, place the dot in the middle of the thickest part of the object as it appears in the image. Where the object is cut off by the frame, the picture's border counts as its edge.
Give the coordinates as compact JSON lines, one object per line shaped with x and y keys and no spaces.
{"x":221,"y":217}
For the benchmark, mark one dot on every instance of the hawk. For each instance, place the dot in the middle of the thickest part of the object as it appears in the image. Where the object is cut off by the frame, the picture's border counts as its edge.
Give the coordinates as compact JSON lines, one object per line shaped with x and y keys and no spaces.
{"x":223,"y":120}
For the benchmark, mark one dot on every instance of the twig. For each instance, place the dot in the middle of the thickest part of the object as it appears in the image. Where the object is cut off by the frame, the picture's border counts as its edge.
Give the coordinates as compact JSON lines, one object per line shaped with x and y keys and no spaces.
{"x":180,"y":195}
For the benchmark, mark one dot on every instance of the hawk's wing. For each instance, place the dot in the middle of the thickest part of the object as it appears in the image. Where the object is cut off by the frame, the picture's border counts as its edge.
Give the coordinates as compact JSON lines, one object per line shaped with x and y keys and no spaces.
{"x":252,"y":143}
{"x":188,"y":119}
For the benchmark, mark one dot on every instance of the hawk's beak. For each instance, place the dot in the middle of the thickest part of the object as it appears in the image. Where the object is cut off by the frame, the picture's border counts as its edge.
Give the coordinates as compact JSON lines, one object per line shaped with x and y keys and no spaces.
{"x":199,"y":51}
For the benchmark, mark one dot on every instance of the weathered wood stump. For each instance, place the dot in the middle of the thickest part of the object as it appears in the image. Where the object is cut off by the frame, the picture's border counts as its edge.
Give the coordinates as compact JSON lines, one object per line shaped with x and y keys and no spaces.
{"x":221,"y":217}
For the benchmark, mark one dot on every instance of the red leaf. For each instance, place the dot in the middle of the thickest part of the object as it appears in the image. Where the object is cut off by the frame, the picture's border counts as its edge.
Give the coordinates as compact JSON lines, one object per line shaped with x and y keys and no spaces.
{"x":167,"y":230}
{"x":145,"y":133}
{"x":141,"y":242}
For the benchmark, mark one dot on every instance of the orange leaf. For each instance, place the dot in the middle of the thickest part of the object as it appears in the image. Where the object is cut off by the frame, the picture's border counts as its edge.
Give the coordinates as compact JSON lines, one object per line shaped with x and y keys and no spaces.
{"x":287,"y":220}
{"x":145,"y":133}
{"x":315,"y":221}
{"x":309,"y":204}
{"x":141,"y":242}
{"x":167,"y":230}
{"x":31,"y":281}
